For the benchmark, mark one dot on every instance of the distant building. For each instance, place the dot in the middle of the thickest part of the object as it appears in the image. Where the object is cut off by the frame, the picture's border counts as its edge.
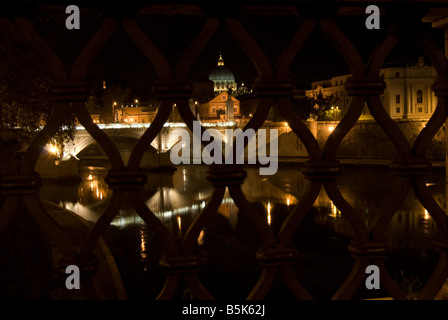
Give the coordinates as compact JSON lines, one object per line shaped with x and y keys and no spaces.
{"x":222,"y":78}
{"x":223,"y":107}
{"x":408,"y":93}
{"x":242,"y":90}
{"x":134,"y":112}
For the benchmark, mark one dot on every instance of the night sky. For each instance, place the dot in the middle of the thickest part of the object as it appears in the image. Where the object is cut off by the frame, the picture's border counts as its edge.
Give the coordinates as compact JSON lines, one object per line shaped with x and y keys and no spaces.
{"x":172,"y":34}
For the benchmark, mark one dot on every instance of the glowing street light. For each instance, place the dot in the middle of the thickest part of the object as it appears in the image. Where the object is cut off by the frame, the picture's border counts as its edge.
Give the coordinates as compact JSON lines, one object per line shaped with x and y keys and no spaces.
{"x":53,"y":149}
{"x":113,"y":107}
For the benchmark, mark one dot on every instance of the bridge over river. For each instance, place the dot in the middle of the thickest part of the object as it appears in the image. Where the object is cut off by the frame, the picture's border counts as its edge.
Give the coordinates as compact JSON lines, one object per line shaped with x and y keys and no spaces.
{"x":125,"y":136}
{"x":167,"y":138}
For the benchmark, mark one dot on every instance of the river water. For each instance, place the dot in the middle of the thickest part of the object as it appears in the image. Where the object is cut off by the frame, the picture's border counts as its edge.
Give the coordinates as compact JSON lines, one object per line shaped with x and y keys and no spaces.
{"x":228,"y":245}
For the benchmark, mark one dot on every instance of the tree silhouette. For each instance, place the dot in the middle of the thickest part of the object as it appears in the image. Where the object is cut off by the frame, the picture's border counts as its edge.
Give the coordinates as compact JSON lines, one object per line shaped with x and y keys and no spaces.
{"x":25,"y":103}
{"x":320,"y":106}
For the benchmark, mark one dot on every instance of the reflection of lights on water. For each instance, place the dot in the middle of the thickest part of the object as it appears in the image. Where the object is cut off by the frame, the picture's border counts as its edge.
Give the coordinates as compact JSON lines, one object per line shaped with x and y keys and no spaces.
{"x":184,"y":178}
{"x":427,"y":222}
{"x":426,"y":215}
{"x":142,"y":245}
{"x":167,"y":214}
{"x":123,"y":221}
{"x":98,"y":191}
{"x":269,"y":213}
{"x":334,"y":211}
{"x":201,"y":238}
{"x":179,"y":222}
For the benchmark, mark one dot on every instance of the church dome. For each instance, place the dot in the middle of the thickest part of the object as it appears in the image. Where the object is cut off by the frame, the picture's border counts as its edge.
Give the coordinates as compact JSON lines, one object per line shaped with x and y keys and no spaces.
{"x":221,"y":73}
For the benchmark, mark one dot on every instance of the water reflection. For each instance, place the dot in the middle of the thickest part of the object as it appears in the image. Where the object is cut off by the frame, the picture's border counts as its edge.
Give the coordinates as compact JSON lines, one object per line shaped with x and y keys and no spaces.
{"x":143,"y":250}
{"x":176,"y":199}
{"x":171,"y":197}
{"x":92,"y":187}
{"x":268,"y":209}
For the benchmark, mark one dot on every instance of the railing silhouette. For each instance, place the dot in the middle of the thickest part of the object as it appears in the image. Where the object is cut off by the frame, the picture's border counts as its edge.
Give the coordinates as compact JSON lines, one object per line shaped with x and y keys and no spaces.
{"x":20,"y":184}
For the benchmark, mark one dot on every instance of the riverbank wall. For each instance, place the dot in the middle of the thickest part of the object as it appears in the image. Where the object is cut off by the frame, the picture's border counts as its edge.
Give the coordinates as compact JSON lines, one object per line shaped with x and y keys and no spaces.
{"x":366,"y":140}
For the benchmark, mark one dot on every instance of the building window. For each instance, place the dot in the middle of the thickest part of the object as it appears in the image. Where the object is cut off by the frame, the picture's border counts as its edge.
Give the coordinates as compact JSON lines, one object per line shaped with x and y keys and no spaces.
{"x":419,"y":96}
{"x":397,"y":98}
{"x":397,"y":110}
{"x":420,"y":109}
{"x":397,"y":74}
{"x":235,"y":110}
{"x":213,"y":110}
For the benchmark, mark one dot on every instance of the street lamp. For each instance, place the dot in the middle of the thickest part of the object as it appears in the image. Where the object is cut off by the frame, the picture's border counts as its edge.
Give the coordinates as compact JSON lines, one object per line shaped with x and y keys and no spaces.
{"x":172,"y":114}
{"x":115,"y":116}
{"x":138,"y":111}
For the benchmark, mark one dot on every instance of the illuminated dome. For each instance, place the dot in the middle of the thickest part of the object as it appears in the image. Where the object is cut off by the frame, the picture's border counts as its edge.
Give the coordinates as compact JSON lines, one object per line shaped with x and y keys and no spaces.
{"x":222,"y":77}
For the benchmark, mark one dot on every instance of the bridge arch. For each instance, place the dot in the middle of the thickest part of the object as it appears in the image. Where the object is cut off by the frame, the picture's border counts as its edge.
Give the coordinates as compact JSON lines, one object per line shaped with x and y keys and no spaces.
{"x":163,"y":142}
{"x":125,"y":141}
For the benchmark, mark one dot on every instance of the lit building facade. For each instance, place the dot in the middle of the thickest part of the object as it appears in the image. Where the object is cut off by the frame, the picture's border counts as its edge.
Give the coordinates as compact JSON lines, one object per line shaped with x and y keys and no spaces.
{"x":408,"y":93}
{"x":134,"y":112}
{"x":223,"y":107}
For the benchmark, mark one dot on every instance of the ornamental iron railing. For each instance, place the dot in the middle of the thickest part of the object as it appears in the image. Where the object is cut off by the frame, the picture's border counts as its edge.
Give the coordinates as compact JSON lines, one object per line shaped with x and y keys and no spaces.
{"x":20,"y":184}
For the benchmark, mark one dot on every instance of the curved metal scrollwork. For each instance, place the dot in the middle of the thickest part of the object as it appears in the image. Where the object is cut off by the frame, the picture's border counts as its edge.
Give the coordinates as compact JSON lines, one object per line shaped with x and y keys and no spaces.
{"x":276,"y":254}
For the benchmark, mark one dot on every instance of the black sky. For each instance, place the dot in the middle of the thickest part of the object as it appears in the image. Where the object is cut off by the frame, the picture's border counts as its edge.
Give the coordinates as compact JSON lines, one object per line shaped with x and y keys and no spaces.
{"x":172,"y":34}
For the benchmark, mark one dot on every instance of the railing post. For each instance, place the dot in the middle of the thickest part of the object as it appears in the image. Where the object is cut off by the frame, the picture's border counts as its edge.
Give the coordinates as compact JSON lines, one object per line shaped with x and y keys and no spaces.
{"x":441,"y":21}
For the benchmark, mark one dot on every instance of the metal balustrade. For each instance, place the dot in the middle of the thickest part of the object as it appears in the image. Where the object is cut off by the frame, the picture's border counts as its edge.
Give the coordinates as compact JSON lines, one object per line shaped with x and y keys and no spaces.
{"x":20,"y":183}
